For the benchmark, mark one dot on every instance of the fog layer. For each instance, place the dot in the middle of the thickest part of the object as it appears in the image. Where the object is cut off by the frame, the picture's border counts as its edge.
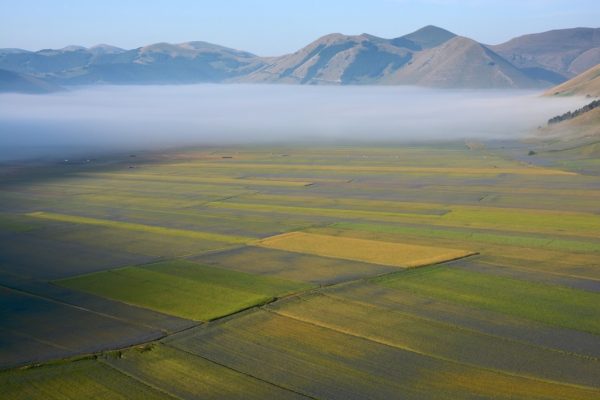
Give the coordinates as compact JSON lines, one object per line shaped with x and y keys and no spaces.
{"x":106,"y":118}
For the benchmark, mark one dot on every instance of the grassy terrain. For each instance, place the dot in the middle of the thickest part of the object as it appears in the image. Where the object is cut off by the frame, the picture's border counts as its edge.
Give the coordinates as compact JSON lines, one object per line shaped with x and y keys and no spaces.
{"x":330,"y":363}
{"x":376,"y":252}
{"x":187,"y":376}
{"x":479,"y":236}
{"x":155,"y":249}
{"x":438,"y":340}
{"x":85,"y":379}
{"x":184,"y":289}
{"x":553,"y":305}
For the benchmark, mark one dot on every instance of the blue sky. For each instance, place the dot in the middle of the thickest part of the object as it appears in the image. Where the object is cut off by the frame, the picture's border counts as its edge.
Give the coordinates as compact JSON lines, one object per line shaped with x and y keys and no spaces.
{"x":270,"y":27}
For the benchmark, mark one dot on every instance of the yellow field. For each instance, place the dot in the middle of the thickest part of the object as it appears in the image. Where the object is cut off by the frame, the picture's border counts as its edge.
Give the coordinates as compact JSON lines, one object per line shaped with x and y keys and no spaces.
{"x":140,"y":227}
{"x":371,"y":251}
{"x":529,"y":170}
{"x":196,"y":179}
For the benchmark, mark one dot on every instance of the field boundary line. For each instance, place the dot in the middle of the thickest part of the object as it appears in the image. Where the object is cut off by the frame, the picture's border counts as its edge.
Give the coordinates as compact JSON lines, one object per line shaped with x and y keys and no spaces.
{"x":395,"y":346}
{"x":241,"y":372}
{"x":483,"y":261}
{"x":141,"y":381}
{"x":458,"y":327}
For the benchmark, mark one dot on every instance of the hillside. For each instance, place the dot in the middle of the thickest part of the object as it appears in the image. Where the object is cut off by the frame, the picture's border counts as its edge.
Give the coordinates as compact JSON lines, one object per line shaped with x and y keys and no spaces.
{"x":428,"y":57}
{"x":555,"y":55}
{"x":335,"y":59}
{"x":585,"y":84}
{"x":12,"y":82}
{"x":461,"y":63}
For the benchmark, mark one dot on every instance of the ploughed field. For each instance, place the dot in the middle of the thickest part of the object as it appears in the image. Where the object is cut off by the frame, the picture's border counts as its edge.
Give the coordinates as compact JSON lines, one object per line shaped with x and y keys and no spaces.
{"x":340,"y":272}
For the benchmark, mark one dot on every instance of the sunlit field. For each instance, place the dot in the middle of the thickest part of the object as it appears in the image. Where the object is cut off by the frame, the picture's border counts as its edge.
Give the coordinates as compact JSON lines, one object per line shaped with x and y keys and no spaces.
{"x":439,"y":271}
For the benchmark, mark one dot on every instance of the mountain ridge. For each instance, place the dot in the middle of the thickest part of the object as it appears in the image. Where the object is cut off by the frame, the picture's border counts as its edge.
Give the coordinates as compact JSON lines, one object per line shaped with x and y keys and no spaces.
{"x":430,"y":56}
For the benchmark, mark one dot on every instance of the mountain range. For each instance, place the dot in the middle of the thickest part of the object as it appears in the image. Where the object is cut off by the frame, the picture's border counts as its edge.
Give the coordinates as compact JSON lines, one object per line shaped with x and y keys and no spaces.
{"x":431,"y":56}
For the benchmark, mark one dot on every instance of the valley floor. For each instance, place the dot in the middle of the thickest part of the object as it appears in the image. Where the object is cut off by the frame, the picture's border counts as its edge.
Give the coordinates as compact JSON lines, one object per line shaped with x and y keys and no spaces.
{"x":439,"y":271}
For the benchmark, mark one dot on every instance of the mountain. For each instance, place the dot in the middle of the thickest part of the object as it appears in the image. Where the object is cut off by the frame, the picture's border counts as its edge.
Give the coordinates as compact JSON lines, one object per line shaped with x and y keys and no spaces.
{"x":585,"y":84}
{"x":13,"y":82}
{"x":344,"y":59}
{"x":424,"y":38}
{"x":158,"y":63}
{"x":554,"y":56}
{"x":461,"y":63}
{"x":335,"y":59}
{"x":428,"y":57}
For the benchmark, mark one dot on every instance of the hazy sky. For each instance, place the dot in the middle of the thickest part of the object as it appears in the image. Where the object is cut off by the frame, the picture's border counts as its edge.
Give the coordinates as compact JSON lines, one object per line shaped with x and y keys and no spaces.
{"x":274,"y":27}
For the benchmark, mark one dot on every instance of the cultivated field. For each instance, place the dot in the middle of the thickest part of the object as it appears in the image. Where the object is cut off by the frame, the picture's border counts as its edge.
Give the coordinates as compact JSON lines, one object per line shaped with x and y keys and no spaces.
{"x":369,"y":251}
{"x":438,"y":271}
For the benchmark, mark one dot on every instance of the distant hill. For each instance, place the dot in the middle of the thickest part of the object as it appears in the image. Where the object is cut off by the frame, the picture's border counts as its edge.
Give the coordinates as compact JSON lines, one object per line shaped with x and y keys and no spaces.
{"x":13,"y":82}
{"x":157,"y":63}
{"x":585,"y":84}
{"x":430,"y":56}
{"x":554,"y":56}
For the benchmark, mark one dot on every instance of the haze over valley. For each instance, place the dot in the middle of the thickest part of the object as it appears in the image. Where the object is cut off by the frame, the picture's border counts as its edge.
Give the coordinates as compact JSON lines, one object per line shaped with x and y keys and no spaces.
{"x":98,"y":119}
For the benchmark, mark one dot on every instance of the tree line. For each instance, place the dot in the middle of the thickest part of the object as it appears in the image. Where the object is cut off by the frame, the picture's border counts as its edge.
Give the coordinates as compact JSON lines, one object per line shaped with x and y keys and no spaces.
{"x":573,"y":114}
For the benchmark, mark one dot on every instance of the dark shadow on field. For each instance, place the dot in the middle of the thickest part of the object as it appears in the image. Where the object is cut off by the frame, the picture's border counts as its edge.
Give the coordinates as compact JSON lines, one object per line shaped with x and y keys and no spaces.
{"x":43,"y":322}
{"x":44,"y":258}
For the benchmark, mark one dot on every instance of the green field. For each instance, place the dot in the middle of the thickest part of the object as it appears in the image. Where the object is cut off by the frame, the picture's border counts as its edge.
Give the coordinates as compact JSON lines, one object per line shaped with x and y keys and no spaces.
{"x":85,"y":379}
{"x":282,"y":272}
{"x":554,"y":305}
{"x":184,"y":289}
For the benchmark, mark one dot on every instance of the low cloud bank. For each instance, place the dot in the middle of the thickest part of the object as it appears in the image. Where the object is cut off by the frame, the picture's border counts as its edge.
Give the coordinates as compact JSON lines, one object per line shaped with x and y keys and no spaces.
{"x":105,"y":118}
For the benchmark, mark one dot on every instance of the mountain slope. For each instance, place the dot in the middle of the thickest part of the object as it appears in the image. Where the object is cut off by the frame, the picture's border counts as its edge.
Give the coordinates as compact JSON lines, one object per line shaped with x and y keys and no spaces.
{"x":335,"y":59}
{"x":555,"y":55}
{"x":13,"y":82}
{"x":585,"y":84}
{"x":461,"y":63}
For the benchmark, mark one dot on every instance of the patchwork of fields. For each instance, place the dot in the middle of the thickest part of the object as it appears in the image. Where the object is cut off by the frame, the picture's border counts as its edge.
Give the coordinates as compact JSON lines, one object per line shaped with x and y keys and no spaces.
{"x":424,"y":272}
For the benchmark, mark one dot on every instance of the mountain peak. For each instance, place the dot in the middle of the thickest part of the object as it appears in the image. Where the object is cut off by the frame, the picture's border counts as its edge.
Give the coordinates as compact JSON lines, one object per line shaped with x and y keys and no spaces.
{"x":105,"y":49}
{"x":427,"y":37}
{"x":73,"y":48}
